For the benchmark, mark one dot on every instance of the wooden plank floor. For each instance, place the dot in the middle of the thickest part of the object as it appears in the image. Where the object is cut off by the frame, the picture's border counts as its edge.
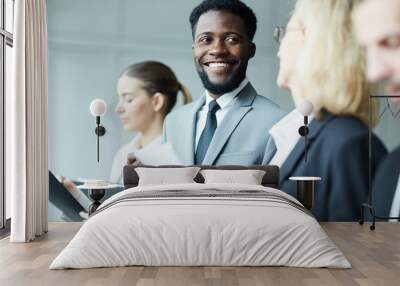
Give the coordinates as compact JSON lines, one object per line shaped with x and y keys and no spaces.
{"x":375,"y":257}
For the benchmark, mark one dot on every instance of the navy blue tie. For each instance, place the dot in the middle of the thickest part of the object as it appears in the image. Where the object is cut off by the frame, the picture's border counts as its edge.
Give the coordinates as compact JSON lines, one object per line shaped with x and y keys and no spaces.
{"x":208,"y":133}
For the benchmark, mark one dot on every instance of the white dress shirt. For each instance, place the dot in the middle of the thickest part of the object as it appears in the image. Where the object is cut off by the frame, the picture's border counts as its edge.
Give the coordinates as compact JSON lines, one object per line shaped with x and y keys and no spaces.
{"x":395,"y":210}
{"x":286,"y":135}
{"x":154,"y":153}
{"x":225,"y":103}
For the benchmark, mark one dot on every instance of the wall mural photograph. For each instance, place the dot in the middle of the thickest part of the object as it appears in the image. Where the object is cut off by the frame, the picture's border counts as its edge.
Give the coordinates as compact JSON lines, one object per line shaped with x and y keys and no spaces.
{"x":215,"y":83}
{"x":200,"y":142}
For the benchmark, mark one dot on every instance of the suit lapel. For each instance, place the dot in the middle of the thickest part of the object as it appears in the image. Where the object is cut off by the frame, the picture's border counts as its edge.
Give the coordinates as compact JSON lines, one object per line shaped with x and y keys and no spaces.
{"x":189,"y":123}
{"x":297,"y":153}
{"x":240,"y":108}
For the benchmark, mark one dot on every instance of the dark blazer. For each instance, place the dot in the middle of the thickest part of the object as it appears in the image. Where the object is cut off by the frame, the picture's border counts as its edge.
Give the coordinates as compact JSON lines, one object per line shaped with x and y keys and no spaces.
{"x":385,"y":183}
{"x":338,"y":153}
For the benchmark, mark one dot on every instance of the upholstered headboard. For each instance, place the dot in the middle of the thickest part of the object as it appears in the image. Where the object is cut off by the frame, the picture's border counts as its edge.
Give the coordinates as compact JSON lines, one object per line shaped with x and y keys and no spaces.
{"x":270,"y":179}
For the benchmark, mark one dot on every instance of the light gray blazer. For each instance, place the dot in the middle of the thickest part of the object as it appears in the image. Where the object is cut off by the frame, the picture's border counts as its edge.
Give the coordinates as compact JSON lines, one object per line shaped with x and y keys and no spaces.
{"x":242,"y":137}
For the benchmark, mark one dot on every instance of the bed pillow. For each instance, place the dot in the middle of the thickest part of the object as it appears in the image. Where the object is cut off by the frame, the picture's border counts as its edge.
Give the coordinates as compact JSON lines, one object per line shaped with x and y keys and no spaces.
{"x":248,"y":177}
{"x":166,"y":176}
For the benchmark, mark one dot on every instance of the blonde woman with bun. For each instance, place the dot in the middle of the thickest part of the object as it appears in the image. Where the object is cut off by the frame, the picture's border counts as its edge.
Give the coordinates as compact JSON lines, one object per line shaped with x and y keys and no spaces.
{"x":321,"y":62}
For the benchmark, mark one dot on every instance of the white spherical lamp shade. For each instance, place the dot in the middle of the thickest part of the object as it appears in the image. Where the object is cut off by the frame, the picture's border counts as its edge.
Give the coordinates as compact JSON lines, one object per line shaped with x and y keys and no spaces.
{"x":98,"y":107}
{"x":305,"y":108}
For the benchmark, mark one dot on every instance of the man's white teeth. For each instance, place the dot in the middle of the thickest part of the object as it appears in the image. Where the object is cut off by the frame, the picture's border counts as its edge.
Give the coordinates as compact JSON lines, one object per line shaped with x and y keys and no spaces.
{"x":218,"y":65}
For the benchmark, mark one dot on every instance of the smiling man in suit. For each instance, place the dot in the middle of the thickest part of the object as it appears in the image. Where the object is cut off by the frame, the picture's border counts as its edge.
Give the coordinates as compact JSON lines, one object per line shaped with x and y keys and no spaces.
{"x":377,"y":24}
{"x":229,"y":124}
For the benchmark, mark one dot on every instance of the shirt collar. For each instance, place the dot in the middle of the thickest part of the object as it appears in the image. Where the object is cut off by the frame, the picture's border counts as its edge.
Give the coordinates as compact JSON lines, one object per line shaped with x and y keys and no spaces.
{"x":287,"y":127}
{"x":226,"y":99}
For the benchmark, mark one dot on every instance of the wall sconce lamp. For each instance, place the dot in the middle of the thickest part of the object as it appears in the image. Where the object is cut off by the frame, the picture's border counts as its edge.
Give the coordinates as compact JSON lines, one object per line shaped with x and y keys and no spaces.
{"x":305,"y":108}
{"x":98,"y":108}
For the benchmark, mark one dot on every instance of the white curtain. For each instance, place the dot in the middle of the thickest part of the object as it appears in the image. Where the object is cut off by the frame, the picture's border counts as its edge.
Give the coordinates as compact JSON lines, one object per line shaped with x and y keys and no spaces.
{"x":26,"y":134}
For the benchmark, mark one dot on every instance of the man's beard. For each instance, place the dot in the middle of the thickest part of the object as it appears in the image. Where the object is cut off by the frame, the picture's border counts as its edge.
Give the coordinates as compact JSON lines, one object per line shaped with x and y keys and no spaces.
{"x":229,"y":85}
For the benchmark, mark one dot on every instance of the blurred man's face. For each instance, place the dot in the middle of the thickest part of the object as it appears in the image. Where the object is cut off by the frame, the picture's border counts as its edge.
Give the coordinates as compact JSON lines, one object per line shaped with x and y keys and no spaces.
{"x":377,"y":25}
{"x":221,"y":51}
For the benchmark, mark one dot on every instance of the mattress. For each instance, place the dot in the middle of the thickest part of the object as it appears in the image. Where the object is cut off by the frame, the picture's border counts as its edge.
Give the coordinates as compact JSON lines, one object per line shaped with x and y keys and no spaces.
{"x":201,"y":225}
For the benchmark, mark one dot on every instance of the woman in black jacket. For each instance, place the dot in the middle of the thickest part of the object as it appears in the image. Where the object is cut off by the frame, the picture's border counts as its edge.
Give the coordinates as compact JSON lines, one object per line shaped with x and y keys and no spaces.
{"x":321,"y":62}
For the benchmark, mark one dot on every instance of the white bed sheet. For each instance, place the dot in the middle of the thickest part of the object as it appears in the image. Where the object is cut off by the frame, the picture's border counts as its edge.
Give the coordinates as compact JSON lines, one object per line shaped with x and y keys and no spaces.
{"x":200,"y":232}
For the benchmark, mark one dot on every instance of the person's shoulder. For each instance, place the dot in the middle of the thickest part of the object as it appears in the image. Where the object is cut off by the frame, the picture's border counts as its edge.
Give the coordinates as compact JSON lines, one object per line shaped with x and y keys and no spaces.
{"x":265,"y":104}
{"x":347,"y":132}
{"x":337,"y":132}
{"x":183,"y":110}
{"x":265,"y":101}
{"x":347,"y":123}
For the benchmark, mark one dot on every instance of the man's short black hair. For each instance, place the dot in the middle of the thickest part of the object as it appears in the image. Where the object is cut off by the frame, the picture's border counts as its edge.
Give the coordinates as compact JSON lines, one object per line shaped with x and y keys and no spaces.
{"x":235,"y":7}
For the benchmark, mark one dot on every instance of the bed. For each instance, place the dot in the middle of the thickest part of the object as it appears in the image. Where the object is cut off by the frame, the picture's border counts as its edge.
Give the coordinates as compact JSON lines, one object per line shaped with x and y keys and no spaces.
{"x":201,"y":224}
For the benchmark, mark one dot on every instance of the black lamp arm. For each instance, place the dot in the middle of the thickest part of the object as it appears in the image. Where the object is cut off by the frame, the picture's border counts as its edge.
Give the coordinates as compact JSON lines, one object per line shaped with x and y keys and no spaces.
{"x":100,"y":131}
{"x":303,"y":131}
